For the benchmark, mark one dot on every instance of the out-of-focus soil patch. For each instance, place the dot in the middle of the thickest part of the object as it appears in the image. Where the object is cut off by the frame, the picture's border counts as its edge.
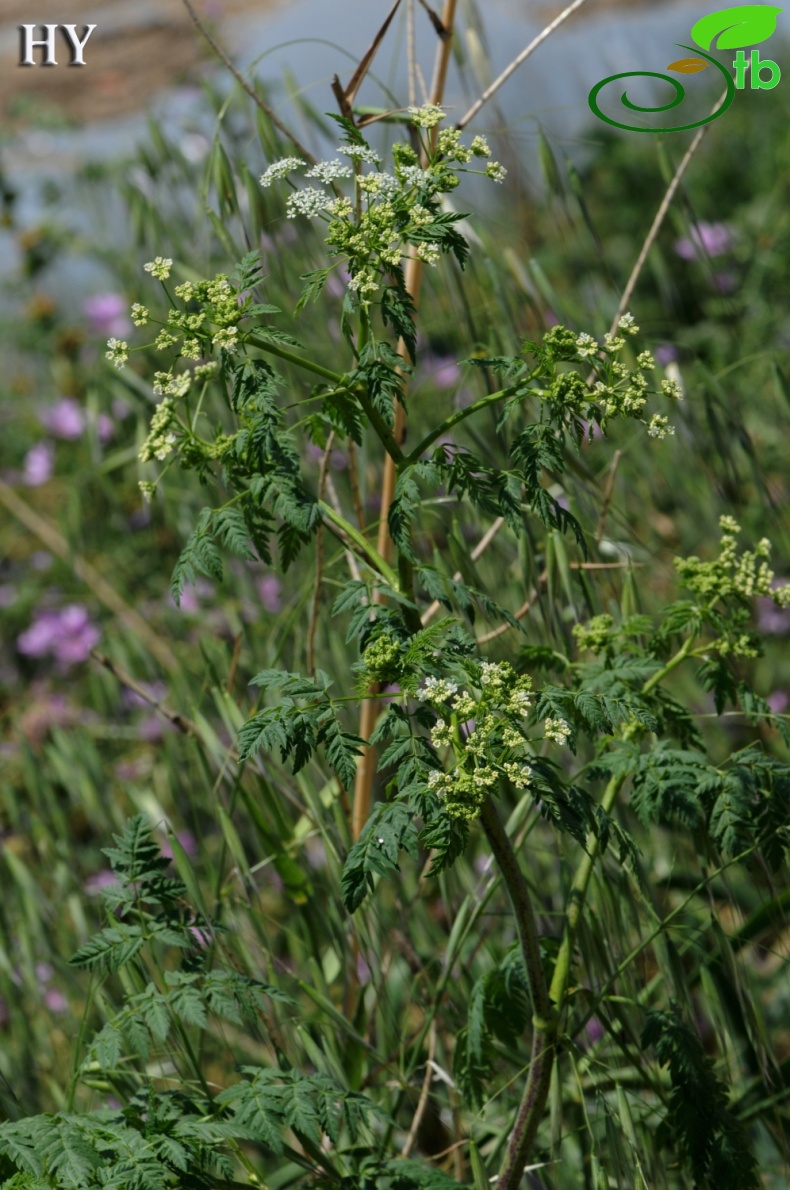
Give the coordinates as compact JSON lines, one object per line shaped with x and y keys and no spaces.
{"x":138,"y":48}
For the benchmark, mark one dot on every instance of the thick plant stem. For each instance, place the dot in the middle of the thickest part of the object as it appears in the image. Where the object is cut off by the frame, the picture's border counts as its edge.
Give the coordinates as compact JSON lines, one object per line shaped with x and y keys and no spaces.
{"x":366,"y":767}
{"x":544,"y":1021}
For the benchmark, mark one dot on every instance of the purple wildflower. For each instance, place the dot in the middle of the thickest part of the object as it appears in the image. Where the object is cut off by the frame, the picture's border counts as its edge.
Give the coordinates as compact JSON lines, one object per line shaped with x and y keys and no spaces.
{"x":96,"y":883}
{"x":594,"y":1029}
{"x":107,"y":315}
{"x":202,"y":936}
{"x":269,"y":593}
{"x":67,"y":635}
{"x":65,"y":419}
{"x":105,"y":427}
{"x":187,"y":841}
{"x":442,"y":370}
{"x":39,"y":464}
{"x":772,"y":620}
{"x":778,"y":701}
{"x":725,"y":281}
{"x":666,"y":353}
{"x":135,"y":701}
{"x":56,"y":1001}
{"x":705,"y":239}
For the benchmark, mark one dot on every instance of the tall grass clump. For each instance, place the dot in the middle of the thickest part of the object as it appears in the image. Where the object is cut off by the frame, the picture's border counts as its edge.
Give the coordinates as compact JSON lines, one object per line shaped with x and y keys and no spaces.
{"x":446,"y":845}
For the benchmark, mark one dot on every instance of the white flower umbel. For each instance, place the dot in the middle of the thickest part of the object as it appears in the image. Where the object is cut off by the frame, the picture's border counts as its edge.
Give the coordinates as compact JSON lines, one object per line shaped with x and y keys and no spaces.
{"x":280,"y":169}
{"x":437,"y":690}
{"x":427,"y":116}
{"x":159,"y":267}
{"x":556,"y":730}
{"x":117,"y":352}
{"x":308,"y":202}
{"x":361,"y":153}
{"x":328,"y":171}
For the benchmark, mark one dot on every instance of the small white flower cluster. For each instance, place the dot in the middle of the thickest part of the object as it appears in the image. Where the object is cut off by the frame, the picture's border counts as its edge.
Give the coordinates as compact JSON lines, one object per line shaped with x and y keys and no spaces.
{"x":441,"y":733}
{"x":495,"y":171}
{"x":427,"y":116}
{"x":171,"y":386}
{"x":450,"y":146}
{"x":479,"y":147}
{"x":280,"y":169}
{"x":436,"y":690}
{"x":420,"y":216}
{"x":519,"y":774}
{"x":328,"y":171}
{"x":159,"y":267}
{"x":428,"y":253}
{"x":361,"y":153}
{"x":671,"y":388}
{"x":659,"y":427}
{"x":140,"y":314}
{"x":379,"y":184}
{"x":586,"y":346}
{"x":117,"y":352}
{"x":308,"y":202}
{"x":494,"y":674}
{"x":627,"y":324}
{"x":161,"y":438}
{"x":415,"y":176}
{"x":556,"y":730}
{"x":227,"y":338}
{"x":165,"y":339}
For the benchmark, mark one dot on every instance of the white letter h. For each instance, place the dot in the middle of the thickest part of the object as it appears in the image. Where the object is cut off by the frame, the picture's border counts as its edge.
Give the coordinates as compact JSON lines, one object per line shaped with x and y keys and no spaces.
{"x":28,"y":43}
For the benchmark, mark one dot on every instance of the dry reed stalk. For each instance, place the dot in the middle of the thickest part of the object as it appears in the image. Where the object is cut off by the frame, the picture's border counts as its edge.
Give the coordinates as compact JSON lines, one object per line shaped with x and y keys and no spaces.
{"x":414,"y":271}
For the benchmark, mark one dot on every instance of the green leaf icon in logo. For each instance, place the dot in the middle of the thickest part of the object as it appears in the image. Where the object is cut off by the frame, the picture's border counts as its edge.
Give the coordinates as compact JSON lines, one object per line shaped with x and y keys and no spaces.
{"x":745,"y":24}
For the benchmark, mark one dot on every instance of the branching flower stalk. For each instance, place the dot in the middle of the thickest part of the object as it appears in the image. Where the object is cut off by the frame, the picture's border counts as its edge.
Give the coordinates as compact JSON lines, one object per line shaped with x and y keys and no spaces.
{"x":459,"y":730}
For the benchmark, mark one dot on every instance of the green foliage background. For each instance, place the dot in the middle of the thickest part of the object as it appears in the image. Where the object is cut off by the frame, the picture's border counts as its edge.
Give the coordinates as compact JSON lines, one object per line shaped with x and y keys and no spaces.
{"x":347,"y":1010}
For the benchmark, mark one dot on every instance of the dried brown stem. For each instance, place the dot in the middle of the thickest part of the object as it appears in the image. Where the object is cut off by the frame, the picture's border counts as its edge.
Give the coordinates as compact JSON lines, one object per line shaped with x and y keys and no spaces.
{"x":660,"y":216}
{"x":514,"y":65}
{"x":479,"y":549}
{"x":240,"y":79}
{"x":183,"y":724}
{"x":319,"y":563}
{"x":425,"y":1091}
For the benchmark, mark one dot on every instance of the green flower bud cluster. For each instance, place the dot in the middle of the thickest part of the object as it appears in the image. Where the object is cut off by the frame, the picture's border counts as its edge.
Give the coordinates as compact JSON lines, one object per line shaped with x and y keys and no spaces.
{"x":393,"y":211}
{"x":595,"y":635}
{"x":204,"y":320}
{"x":614,"y":390}
{"x":486,"y":733}
{"x":740,"y":575}
{"x":381,"y":658}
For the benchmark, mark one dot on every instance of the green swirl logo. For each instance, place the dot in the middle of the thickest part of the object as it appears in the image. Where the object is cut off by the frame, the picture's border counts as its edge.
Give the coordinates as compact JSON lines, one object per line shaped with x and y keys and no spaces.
{"x":731,"y":28}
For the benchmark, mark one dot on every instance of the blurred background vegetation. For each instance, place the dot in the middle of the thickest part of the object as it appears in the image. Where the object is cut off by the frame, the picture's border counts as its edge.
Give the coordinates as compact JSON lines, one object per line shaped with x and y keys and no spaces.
{"x":85,"y":566}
